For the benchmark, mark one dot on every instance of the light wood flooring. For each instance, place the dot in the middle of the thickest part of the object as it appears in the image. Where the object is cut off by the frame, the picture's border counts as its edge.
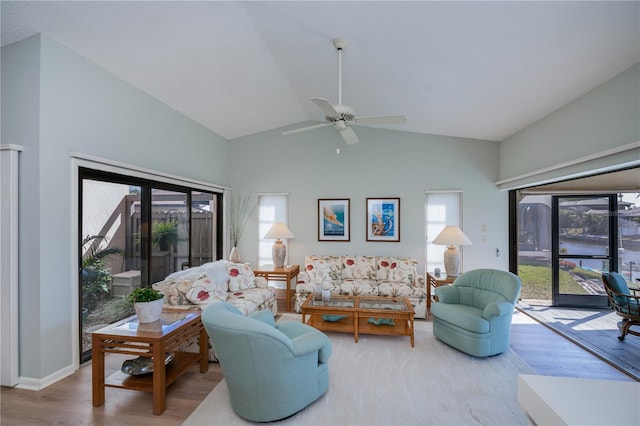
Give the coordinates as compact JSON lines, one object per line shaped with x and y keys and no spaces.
{"x":68,"y":402}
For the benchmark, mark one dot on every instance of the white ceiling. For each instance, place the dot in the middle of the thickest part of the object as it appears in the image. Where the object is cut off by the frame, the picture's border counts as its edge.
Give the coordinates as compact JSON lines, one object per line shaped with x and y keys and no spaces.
{"x":480,"y":70}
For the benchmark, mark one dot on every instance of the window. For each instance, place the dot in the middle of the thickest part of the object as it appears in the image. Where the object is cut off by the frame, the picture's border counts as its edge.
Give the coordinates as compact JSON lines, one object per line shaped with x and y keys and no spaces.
{"x":442,"y":208}
{"x":272,"y":208}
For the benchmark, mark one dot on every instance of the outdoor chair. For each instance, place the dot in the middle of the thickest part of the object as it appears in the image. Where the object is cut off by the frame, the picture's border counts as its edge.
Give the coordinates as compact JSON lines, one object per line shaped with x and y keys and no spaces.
{"x":625,"y":301}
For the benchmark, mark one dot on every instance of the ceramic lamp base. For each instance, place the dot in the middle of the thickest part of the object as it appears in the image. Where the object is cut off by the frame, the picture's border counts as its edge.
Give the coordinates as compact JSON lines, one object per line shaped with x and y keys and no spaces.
{"x":279,"y":253}
{"x":452,"y":261}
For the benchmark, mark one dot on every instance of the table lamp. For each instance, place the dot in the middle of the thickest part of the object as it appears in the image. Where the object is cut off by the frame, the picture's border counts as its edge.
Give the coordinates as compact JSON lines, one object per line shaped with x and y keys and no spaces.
{"x":279,"y":251}
{"x":452,"y":236}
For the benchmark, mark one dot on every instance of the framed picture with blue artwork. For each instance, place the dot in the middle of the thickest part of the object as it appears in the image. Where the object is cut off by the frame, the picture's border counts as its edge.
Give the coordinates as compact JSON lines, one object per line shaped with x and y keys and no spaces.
{"x":383,"y":219}
{"x":334,"y":219}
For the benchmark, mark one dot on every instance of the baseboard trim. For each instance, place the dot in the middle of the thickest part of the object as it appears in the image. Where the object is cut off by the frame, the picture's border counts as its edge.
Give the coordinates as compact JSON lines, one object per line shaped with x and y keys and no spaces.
{"x":29,"y":383}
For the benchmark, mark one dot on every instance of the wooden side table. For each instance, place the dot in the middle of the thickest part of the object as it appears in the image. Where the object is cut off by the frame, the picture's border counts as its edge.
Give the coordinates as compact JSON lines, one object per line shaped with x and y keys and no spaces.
{"x":148,"y":340}
{"x":286,"y":274}
{"x":433,"y":281}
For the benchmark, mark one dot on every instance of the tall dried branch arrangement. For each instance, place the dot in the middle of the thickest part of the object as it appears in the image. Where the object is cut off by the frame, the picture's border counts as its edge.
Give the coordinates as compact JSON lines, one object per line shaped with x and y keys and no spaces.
{"x":239,"y":214}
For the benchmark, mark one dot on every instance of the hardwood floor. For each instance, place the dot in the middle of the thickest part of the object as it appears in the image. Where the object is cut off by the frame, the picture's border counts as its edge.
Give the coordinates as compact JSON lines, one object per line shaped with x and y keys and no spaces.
{"x":594,"y":330}
{"x":68,"y":402}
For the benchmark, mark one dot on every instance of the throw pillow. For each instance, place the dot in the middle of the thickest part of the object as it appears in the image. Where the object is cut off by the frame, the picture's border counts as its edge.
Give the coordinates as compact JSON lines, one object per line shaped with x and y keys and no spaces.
{"x":174,"y":291}
{"x":205,"y":291}
{"x":241,"y":276}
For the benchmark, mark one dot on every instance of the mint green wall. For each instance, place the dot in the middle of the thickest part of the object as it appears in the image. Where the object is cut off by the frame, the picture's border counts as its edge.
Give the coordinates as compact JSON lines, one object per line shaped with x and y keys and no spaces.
{"x":384,"y":164}
{"x":55,"y":102}
{"x":62,"y":103}
{"x":606,"y":118}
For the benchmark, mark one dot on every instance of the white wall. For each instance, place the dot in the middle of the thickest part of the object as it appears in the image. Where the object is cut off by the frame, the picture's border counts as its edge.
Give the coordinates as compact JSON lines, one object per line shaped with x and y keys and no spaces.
{"x":605,"y":119}
{"x":384,"y":164}
{"x":59,"y":103}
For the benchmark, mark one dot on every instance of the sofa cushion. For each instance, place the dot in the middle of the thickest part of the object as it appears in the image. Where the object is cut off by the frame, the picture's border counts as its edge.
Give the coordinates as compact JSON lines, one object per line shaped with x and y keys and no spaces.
{"x":251,"y":300}
{"x":241,"y":276}
{"x":396,"y":289}
{"x":358,"y":287}
{"x":323,"y":268}
{"x":359,"y":267}
{"x":204,"y":291}
{"x":399,"y":269}
{"x":189,"y":292}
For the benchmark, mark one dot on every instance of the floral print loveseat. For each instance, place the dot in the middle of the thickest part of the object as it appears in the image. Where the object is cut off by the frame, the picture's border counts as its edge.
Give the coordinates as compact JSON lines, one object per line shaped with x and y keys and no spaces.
{"x":364,"y":275}
{"x":234,"y":283}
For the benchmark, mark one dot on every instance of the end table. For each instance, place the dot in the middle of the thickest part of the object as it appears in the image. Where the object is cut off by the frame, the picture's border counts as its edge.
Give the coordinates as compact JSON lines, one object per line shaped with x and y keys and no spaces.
{"x":436,"y":281}
{"x":149,"y":340}
{"x":286,"y":274}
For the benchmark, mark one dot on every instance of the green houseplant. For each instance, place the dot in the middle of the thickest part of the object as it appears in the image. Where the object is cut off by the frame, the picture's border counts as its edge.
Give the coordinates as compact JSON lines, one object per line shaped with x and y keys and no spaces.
{"x":164,"y":234}
{"x":147,"y":303}
{"x":95,"y":276}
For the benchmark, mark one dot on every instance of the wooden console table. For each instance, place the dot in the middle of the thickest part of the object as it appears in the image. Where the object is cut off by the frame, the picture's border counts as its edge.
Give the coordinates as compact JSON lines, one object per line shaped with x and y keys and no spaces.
{"x":433,"y":281}
{"x":149,"y":340}
{"x":287,"y":274}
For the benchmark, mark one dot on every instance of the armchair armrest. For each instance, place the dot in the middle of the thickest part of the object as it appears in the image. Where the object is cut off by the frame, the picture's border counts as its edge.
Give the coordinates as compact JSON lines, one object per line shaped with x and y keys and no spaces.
{"x":306,"y":339}
{"x":447,"y":294}
{"x":265,"y":316}
{"x":303,"y":277}
{"x":497,"y":309}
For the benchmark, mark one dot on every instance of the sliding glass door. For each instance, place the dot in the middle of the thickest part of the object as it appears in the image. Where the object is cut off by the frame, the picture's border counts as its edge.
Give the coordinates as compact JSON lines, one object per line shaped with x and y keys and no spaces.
{"x":134,"y":232}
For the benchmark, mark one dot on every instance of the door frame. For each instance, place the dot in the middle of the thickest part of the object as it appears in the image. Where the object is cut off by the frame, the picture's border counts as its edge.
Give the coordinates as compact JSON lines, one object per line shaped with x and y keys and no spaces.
{"x":577,"y":300}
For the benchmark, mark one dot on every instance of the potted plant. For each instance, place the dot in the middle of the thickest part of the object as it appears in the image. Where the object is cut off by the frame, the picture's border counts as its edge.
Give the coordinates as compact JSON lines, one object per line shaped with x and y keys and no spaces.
{"x":147,"y":303}
{"x":164,"y":234}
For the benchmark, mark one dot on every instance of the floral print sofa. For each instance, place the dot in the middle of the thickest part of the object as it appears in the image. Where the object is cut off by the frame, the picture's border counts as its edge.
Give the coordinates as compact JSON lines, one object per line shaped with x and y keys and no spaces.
{"x":234,"y":283}
{"x":364,"y":275}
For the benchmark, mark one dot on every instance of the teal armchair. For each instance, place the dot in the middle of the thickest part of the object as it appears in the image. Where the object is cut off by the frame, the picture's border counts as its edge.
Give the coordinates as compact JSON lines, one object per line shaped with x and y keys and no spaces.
{"x":474,"y":313}
{"x":272,"y":371}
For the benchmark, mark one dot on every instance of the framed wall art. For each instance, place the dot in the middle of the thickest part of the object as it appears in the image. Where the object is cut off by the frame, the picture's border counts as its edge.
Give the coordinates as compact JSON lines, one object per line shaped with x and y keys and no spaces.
{"x":334,"y":219}
{"x":383,"y":219}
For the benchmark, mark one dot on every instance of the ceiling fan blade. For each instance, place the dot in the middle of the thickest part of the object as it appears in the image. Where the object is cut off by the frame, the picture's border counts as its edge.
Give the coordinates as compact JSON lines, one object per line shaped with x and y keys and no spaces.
{"x":326,"y":107}
{"x":349,"y":136}
{"x":381,"y":119}
{"x":305,"y":129}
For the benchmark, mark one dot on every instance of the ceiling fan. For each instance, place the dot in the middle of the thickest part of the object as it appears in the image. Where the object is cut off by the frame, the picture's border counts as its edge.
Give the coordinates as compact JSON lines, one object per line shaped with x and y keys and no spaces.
{"x":343,"y":116}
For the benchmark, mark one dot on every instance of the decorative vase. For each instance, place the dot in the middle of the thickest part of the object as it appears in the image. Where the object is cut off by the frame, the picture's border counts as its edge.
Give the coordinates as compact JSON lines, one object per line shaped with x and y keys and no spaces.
{"x":148,"y":311}
{"x":318,"y":291}
{"x":234,"y":256}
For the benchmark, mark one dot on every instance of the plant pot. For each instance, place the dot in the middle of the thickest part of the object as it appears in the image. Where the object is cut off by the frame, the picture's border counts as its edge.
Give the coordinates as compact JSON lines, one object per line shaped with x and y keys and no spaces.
{"x":148,"y":311}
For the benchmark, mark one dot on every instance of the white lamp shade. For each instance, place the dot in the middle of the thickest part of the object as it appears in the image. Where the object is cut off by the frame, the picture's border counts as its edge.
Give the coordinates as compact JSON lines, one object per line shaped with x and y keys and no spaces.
{"x":278,"y":231}
{"x":452,"y":235}
{"x":279,"y":251}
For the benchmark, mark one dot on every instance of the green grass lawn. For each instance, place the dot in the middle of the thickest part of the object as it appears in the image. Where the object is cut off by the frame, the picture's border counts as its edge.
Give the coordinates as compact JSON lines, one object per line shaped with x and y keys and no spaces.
{"x":536,"y":281}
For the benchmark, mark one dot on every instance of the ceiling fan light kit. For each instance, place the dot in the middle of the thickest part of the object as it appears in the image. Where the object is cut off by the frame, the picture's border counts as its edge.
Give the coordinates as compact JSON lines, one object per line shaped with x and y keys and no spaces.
{"x":343,"y":116}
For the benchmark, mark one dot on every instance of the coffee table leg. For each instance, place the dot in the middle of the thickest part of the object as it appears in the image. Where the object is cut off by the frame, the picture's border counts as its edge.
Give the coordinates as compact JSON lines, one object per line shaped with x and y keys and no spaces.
{"x":356,"y":320}
{"x":159,"y":380}
{"x":412,"y":334}
{"x":204,"y":348}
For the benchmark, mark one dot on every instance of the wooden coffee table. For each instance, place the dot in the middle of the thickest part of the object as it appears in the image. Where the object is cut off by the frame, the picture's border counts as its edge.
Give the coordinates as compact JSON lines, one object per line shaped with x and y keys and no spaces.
{"x":352,"y":314}
{"x":148,"y":340}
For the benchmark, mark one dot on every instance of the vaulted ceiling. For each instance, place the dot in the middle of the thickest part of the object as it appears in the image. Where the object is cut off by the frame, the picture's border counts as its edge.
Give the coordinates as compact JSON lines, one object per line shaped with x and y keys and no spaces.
{"x":481,"y":70}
